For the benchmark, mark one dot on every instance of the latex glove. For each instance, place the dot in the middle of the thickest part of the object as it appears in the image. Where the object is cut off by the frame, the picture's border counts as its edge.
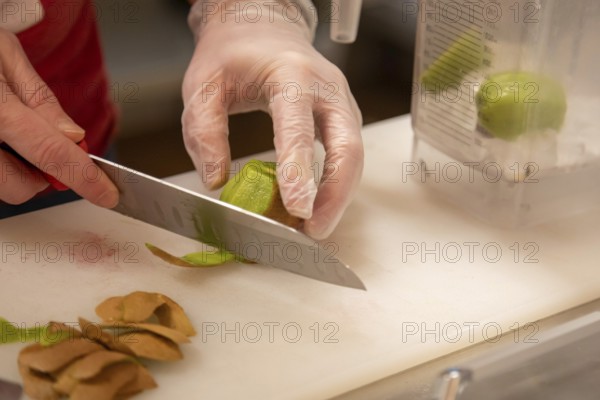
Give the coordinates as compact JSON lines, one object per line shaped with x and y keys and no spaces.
{"x":269,"y":64}
{"x":35,"y":126}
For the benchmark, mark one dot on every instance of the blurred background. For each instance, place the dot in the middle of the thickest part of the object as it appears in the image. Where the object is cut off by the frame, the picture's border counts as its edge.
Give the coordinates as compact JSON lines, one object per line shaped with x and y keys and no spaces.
{"x":148,"y":45}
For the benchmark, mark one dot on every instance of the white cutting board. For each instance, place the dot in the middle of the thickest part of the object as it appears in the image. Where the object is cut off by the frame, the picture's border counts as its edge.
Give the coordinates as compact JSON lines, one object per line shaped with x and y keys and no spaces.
{"x":268,"y":334}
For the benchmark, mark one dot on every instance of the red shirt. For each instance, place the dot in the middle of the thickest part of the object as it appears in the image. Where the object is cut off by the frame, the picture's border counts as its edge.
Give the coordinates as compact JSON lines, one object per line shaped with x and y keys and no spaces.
{"x":64,"y":48}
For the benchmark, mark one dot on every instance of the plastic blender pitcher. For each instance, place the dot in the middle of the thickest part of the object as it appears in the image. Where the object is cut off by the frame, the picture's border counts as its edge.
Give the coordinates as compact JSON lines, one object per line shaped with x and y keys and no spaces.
{"x":506,"y":107}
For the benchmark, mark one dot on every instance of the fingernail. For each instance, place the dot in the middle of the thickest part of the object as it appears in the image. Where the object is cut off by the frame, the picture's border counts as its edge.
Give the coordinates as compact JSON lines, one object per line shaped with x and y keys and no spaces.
{"x":316,"y":231}
{"x":300,"y":212}
{"x":108,"y":199}
{"x":68,"y":126}
{"x":301,"y":205}
{"x":299,"y":201}
{"x":213,"y":178}
{"x":43,"y":186}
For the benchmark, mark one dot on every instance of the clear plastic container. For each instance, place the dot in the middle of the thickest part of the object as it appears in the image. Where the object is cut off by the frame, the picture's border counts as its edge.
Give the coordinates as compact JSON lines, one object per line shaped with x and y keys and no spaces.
{"x":506,"y":106}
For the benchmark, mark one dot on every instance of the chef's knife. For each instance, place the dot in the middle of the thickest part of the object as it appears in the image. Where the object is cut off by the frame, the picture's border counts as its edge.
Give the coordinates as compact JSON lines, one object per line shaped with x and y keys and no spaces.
{"x":222,"y":225}
{"x":10,"y":390}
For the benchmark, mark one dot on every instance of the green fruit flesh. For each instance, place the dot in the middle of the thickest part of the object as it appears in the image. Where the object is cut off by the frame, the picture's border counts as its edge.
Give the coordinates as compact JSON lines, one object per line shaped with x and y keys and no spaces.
{"x":451,"y":67}
{"x":513,"y":103}
{"x":253,"y":188}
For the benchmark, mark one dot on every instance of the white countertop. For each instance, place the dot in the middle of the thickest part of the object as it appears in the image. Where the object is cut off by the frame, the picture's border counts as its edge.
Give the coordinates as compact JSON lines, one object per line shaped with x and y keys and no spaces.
{"x":418,"y":307}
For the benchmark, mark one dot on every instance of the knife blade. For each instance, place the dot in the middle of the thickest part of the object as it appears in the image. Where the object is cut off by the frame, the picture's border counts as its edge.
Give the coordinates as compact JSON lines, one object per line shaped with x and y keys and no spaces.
{"x":222,"y":225}
{"x":10,"y":390}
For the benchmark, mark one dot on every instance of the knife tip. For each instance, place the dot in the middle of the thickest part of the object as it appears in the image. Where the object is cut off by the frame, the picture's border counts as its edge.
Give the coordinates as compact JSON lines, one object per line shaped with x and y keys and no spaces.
{"x":352,"y":280}
{"x":360,"y":286}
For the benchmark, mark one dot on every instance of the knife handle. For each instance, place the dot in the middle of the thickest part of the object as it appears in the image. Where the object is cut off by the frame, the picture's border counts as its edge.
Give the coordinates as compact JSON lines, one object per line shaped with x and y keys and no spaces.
{"x":55,"y":183}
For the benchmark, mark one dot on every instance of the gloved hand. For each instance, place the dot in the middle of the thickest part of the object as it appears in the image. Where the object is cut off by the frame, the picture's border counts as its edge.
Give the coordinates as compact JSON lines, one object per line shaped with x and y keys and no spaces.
{"x":249,"y":58}
{"x":34,"y":125}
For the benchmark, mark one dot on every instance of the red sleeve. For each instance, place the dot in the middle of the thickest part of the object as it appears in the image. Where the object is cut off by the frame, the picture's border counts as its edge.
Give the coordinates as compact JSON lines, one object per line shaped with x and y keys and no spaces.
{"x":64,"y":48}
